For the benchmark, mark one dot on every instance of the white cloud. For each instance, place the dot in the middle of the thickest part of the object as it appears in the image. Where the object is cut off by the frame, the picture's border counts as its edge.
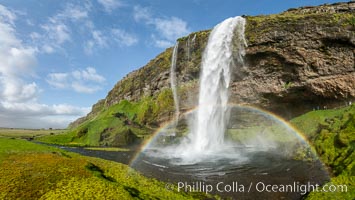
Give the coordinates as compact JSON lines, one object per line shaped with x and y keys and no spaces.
{"x":88,"y":47}
{"x":35,"y":115}
{"x":19,"y":105}
{"x":123,"y":38}
{"x":168,"y":29}
{"x":89,"y":74}
{"x":56,"y":31}
{"x":15,"y":90}
{"x":142,"y":14}
{"x":110,"y":5}
{"x":171,"y":28}
{"x":82,"y":81}
{"x":35,"y":36}
{"x":74,"y":13}
{"x":84,"y":88}
{"x":41,"y":110}
{"x":162,"y":43}
{"x":100,"y":39}
{"x":7,"y":35}
{"x":29,"y":22}
{"x":17,"y":62}
{"x":6,"y":15}
{"x":58,"y":80}
{"x":47,"y":49}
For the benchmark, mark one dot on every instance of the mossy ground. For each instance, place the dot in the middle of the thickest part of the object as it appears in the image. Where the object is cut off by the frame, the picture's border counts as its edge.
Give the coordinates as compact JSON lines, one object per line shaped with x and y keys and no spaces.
{"x":33,"y":171}
{"x":332,"y":133}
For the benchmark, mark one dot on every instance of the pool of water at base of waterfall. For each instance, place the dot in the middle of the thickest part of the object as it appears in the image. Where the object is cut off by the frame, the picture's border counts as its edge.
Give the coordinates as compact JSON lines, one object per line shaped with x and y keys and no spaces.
{"x":248,"y":179}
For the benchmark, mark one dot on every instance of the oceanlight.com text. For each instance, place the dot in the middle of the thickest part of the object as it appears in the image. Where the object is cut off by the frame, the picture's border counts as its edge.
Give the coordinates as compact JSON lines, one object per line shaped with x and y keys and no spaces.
{"x":236,"y":187}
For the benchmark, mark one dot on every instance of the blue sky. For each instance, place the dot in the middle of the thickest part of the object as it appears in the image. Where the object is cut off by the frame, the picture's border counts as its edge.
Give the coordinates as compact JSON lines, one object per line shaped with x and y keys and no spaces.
{"x":60,"y":57}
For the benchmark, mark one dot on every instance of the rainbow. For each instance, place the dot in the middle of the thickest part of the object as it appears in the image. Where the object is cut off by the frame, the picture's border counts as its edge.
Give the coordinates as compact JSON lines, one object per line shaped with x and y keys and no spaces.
{"x":302,"y":138}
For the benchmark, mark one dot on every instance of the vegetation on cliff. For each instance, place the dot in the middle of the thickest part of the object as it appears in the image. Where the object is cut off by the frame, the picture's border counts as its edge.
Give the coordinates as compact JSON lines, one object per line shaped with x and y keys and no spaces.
{"x":301,"y":55}
{"x":119,"y":125}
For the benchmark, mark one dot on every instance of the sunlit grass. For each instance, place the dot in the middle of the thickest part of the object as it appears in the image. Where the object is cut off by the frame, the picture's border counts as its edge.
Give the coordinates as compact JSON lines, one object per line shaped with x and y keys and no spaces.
{"x":34,"y":171}
{"x":26,"y":133}
{"x":16,"y":146}
{"x":332,"y":133}
{"x":309,"y":122}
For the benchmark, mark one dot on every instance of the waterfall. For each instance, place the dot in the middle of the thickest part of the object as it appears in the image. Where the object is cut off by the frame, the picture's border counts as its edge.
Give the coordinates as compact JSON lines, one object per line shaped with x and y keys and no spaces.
{"x":173,"y":82}
{"x":188,"y":48}
{"x":190,"y":43}
{"x":212,"y":114}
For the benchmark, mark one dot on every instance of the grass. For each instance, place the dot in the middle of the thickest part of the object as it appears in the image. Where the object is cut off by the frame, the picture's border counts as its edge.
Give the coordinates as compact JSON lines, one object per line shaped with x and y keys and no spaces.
{"x":332,"y":133}
{"x":309,"y":122}
{"x":34,"y":171}
{"x":27,"y":133}
{"x":339,"y":180}
{"x":17,"y":146}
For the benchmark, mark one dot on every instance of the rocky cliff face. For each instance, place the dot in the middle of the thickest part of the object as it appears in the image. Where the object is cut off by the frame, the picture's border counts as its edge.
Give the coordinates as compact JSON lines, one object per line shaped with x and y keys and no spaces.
{"x":295,"y":61}
{"x":300,"y":59}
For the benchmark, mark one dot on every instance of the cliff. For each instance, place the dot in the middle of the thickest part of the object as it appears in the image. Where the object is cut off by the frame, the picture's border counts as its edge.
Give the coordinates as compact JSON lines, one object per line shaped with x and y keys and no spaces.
{"x":295,"y":61}
{"x":300,"y":59}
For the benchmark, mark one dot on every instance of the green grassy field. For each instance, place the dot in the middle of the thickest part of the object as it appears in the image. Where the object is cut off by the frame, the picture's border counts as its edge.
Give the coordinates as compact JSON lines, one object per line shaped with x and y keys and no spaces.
{"x":27,"y":133}
{"x":33,"y":171}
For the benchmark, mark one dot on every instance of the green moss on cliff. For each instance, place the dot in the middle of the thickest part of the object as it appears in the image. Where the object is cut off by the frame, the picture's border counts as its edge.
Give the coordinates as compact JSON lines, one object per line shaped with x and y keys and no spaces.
{"x":293,"y":22}
{"x":121,"y":124}
{"x":132,"y":85}
{"x":345,"y":19}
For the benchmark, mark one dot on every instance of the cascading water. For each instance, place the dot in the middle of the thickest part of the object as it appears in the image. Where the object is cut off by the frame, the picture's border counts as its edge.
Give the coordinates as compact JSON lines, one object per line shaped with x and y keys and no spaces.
{"x":188,"y":48}
{"x":208,"y":124}
{"x":190,"y":43}
{"x":173,"y":82}
{"x":212,"y":115}
{"x":259,"y":146}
